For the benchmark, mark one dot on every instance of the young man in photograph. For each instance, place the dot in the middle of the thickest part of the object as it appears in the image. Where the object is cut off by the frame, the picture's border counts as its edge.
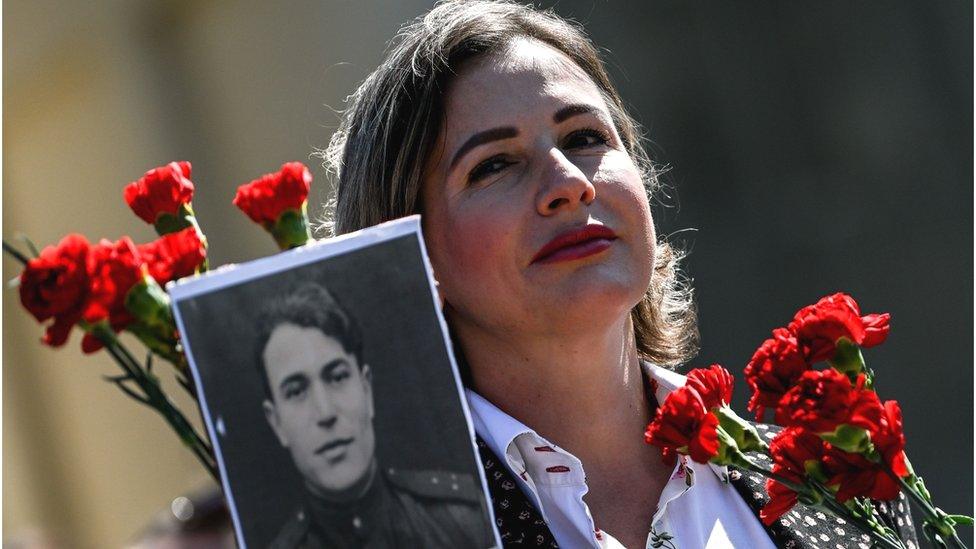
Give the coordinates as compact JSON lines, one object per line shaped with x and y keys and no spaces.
{"x":319,"y":403}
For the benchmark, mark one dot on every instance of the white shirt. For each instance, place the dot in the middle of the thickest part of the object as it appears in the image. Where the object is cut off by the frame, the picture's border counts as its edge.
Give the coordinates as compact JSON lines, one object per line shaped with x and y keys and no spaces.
{"x":698,"y":508}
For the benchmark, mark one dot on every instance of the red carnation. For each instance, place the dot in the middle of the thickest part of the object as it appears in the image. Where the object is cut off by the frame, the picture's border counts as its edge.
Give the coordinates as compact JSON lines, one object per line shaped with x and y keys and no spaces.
{"x":889,"y":439}
{"x":774,"y":369}
{"x":714,"y":385}
{"x":55,"y":285}
{"x":819,"y":326}
{"x":684,"y":425}
{"x":781,"y":500}
{"x":793,"y":451}
{"x":265,"y":199}
{"x":822,"y":400}
{"x":114,"y":268}
{"x":173,"y":256}
{"x":161,"y":190}
{"x":855,"y":476}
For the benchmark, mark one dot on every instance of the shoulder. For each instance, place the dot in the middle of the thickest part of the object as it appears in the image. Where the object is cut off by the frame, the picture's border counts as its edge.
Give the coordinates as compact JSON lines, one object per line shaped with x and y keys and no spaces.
{"x":434,"y":485}
{"x":293,"y":533}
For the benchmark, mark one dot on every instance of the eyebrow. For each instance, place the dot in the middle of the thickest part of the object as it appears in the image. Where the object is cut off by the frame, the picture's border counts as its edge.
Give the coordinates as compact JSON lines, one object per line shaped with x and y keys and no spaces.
{"x":481,"y":138}
{"x":332,"y":365}
{"x":509,"y":132}
{"x":570,"y":111}
{"x":293,"y":378}
{"x":300,"y":377}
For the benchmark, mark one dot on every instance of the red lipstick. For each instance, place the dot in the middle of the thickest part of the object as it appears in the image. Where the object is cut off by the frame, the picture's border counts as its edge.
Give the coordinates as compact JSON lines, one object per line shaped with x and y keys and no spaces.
{"x":576,"y":244}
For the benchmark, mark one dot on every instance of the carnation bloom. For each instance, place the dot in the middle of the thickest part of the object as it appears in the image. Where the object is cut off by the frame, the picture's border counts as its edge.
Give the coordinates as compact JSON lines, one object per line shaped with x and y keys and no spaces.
{"x":114,"y":268}
{"x":889,"y":439}
{"x":162,"y":190}
{"x":714,"y":385}
{"x":819,"y":326}
{"x":173,"y":256}
{"x":266,"y":198}
{"x":823,"y":400}
{"x":794,"y":451}
{"x":684,"y":425}
{"x":55,"y":285}
{"x":853,"y":476}
{"x":774,"y":368}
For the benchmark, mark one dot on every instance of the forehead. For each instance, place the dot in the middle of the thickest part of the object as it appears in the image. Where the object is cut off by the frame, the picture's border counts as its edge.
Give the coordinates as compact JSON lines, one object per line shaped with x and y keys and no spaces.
{"x":293,"y":349}
{"x":526,"y":80}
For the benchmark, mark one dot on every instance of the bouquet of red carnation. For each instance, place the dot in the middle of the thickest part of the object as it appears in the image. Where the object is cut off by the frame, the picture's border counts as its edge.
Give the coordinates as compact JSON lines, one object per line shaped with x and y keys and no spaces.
{"x":109,"y":287}
{"x":840,"y":448}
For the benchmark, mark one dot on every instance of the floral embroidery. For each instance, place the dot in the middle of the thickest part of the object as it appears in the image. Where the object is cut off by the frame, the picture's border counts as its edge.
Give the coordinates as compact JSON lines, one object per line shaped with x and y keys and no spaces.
{"x":661,"y":539}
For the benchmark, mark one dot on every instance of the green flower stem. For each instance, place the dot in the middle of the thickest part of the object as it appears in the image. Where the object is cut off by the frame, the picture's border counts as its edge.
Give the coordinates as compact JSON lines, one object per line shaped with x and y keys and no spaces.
{"x":29,"y":243}
{"x":936,"y":517}
{"x":828,"y":501}
{"x":742,"y":461}
{"x":205,"y":266}
{"x":870,"y":526}
{"x":164,"y":404}
{"x":157,"y":399}
{"x":23,"y":259}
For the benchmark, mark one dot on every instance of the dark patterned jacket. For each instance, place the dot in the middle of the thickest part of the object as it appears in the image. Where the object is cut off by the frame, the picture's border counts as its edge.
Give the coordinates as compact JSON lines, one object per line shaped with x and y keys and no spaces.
{"x":520,"y":524}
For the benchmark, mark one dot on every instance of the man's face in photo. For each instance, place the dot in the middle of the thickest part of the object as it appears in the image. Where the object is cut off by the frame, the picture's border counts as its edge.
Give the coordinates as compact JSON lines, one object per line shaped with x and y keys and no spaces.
{"x":321,"y":407}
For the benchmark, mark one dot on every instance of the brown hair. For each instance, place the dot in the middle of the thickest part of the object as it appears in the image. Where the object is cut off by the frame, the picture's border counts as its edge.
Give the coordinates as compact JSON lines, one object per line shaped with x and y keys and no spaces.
{"x":391,"y":123}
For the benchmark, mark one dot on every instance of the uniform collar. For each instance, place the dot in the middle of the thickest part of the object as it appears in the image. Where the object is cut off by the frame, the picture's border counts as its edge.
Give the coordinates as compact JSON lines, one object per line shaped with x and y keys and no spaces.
{"x":356,"y":516}
{"x":499,"y":430}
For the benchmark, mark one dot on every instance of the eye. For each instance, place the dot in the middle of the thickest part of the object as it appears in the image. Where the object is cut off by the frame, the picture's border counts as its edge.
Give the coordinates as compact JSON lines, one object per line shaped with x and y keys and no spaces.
{"x":294,"y":389}
{"x":336,"y":374}
{"x":587,"y":137}
{"x":488,"y":167}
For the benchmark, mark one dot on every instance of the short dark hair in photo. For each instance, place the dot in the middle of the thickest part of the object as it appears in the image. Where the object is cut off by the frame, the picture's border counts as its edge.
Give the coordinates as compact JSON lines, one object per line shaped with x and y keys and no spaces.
{"x":309,"y":305}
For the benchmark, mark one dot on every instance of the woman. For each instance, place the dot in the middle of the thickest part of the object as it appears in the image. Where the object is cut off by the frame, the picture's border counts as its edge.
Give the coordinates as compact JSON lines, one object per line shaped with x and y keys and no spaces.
{"x":498,"y":123}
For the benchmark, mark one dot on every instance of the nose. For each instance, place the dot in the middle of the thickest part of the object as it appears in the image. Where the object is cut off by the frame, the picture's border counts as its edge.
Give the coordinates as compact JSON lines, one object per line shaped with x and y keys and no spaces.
{"x":325,"y":409}
{"x":564,"y":186}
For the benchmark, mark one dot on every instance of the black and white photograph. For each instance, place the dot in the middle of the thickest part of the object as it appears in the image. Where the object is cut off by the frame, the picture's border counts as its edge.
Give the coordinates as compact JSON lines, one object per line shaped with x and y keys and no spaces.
{"x":331,"y":397}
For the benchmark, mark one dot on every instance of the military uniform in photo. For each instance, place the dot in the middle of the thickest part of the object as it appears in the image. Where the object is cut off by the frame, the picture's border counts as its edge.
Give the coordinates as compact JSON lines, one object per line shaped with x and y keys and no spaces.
{"x":401,"y":508}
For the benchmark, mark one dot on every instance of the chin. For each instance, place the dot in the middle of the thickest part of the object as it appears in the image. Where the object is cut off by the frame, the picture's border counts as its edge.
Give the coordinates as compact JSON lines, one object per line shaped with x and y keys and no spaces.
{"x":593,"y":296}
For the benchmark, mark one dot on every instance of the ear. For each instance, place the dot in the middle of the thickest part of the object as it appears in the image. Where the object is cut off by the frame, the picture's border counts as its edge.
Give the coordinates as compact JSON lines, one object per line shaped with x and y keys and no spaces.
{"x":271,"y":414}
{"x":367,"y":375}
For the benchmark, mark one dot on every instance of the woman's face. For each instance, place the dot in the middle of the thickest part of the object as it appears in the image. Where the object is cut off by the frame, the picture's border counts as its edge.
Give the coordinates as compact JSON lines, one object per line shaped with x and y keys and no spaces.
{"x":528,"y":153}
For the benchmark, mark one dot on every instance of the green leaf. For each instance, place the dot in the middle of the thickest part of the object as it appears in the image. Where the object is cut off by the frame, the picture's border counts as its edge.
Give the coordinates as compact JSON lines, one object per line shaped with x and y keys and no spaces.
{"x":962,"y":519}
{"x":850,"y":439}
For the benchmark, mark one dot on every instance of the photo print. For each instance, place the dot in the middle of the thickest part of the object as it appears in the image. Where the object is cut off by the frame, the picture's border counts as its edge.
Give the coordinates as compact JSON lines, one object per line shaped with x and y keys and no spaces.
{"x":332,"y":398}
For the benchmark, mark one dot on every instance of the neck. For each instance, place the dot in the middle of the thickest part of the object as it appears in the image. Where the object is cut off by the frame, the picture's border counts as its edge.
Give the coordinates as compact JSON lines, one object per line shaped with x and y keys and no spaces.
{"x":354,"y":492}
{"x":583,"y":391}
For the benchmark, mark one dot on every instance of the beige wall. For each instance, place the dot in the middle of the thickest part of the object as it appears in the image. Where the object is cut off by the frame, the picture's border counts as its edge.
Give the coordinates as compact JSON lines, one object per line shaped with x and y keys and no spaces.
{"x":95,"y":93}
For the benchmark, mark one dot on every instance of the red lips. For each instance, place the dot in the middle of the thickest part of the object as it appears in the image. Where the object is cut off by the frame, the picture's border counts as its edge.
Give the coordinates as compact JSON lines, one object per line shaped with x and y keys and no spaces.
{"x":576,"y":244}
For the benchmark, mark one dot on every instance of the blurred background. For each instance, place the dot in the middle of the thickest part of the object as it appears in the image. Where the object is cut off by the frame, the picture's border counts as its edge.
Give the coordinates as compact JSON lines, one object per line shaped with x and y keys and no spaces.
{"x":811,"y":148}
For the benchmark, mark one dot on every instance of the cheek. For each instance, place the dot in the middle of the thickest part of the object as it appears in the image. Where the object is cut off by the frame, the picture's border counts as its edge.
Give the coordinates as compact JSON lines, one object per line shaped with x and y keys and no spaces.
{"x":625,"y":193}
{"x":472,"y":242}
{"x":297,"y":422}
{"x":353,"y":405}
{"x":625,"y":197}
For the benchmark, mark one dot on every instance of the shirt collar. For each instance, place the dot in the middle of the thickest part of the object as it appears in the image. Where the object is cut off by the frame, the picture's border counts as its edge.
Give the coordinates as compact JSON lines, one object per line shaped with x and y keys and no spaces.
{"x":499,"y":429}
